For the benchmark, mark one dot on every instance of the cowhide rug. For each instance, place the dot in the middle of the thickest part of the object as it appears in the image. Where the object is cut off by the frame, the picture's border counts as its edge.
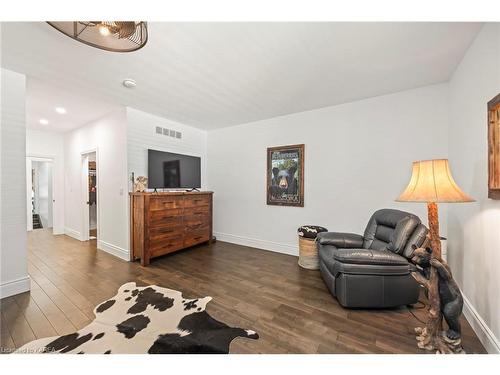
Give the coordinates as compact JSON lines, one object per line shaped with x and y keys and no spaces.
{"x":146,"y":320}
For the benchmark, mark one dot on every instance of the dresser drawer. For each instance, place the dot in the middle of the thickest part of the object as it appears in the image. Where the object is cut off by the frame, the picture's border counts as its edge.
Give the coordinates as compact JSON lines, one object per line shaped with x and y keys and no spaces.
{"x":163,"y":233}
{"x":165,"y":202}
{"x":166,"y":218}
{"x":197,"y":200}
{"x":166,"y":214}
{"x":193,"y":237}
{"x":195,"y":221}
{"x":197,"y":210}
{"x":165,"y":223}
{"x":161,"y":247}
{"x":191,"y":241}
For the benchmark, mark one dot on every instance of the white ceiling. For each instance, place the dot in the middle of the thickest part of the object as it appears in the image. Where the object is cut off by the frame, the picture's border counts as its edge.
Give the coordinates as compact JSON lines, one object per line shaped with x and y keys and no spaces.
{"x":212,"y":75}
{"x":42,"y":99}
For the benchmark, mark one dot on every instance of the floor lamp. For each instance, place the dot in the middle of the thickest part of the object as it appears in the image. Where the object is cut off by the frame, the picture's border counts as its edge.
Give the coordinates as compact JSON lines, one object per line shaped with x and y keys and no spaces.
{"x":432,"y":183}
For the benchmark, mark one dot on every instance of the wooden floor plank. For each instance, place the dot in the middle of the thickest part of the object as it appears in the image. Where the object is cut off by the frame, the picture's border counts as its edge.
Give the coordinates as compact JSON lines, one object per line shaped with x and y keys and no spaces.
{"x":6,"y":342}
{"x":289,"y":307}
{"x":16,"y":323}
{"x":34,"y":316}
{"x":54,"y":315}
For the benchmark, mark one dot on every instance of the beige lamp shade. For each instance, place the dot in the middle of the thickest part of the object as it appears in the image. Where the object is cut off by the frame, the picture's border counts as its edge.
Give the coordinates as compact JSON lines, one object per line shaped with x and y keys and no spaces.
{"x":431,"y":181}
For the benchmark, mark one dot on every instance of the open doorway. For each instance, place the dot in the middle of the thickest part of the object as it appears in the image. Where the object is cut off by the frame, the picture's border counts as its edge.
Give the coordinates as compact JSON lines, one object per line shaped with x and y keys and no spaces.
{"x":40,"y":198}
{"x":90,"y":191}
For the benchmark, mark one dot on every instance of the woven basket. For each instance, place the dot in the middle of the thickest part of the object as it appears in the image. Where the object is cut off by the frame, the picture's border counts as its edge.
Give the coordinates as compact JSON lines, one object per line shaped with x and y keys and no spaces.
{"x":308,"y":253}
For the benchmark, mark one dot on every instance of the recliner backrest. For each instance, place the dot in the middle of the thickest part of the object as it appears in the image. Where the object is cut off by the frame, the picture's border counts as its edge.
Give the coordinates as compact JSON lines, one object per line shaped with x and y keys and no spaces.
{"x":394,"y":230}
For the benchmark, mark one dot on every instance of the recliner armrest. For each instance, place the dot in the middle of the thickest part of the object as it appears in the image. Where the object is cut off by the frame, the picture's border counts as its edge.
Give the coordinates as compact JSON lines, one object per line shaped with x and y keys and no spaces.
{"x":340,"y":240}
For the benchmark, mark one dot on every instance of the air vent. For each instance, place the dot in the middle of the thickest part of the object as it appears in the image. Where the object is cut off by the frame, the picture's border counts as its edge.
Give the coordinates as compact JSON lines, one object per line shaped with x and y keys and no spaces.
{"x":168,"y":132}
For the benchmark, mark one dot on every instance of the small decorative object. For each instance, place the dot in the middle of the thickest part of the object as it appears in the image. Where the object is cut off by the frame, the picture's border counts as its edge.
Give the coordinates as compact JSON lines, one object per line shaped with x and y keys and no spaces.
{"x":114,"y":36}
{"x":285,"y":175}
{"x":450,"y":299}
{"x":431,"y":182}
{"x":494,"y":148}
{"x":308,"y":252}
{"x":141,"y":184}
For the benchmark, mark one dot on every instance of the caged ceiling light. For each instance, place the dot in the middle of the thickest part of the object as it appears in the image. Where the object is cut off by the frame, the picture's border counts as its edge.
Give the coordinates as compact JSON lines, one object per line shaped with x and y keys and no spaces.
{"x":115,"y":36}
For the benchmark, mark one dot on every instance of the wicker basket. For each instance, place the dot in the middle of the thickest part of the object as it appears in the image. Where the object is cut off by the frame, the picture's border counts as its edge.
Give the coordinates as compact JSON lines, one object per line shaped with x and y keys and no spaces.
{"x":308,"y":253}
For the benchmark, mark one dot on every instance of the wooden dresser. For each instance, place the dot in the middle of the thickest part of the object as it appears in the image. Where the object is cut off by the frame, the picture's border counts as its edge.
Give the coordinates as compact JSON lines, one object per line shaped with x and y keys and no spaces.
{"x":161,"y":223}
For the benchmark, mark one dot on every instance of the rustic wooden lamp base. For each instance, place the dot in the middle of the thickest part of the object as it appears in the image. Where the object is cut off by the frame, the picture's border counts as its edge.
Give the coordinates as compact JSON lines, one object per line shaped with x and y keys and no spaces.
{"x":439,"y":343}
{"x":432,"y":337}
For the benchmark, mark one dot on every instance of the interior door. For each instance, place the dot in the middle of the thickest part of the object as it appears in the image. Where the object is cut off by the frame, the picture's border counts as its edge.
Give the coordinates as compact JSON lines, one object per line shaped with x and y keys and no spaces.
{"x":85,"y":198}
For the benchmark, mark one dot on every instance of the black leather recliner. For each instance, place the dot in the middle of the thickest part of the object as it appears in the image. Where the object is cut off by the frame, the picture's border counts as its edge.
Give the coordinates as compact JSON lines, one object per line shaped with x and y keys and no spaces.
{"x":373,"y":270}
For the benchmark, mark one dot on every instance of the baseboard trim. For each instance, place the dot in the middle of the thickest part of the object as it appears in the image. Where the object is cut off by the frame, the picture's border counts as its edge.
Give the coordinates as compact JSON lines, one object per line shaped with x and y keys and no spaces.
{"x":73,"y":233}
{"x":57,"y":231}
{"x":483,"y":332}
{"x":13,"y":287}
{"x":257,"y":243}
{"x":113,"y":250}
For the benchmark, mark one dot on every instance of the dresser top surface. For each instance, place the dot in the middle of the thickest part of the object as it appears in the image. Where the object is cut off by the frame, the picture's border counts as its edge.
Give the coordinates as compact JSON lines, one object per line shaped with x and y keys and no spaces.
{"x":169,"y":193}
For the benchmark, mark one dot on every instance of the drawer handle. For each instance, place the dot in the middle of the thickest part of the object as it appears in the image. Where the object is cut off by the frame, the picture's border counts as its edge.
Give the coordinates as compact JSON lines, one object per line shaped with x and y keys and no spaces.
{"x":167,"y":231}
{"x":199,"y":213}
{"x":197,"y":238}
{"x":168,"y":217}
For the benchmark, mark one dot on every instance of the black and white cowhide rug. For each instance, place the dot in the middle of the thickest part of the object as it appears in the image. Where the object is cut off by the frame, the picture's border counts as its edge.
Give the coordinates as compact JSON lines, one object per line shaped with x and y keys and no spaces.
{"x":147,"y":319}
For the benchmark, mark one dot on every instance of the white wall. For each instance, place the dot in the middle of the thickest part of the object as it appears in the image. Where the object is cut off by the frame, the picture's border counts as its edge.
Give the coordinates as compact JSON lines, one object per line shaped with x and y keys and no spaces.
{"x":474,"y":228}
{"x":141,"y":134}
{"x":357,"y":159}
{"x":50,"y":145}
{"x":107,"y":135}
{"x":14,"y":277}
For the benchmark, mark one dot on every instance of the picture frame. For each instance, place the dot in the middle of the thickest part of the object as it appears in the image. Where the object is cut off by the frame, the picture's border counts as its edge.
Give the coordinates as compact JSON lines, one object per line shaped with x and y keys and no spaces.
{"x":494,"y":148}
{"x":285,"y":175}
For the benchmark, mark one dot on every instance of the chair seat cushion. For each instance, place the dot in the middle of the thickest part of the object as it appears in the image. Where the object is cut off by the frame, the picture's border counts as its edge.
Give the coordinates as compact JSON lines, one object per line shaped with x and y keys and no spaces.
{"x":310,"y":231}
{"x":327,"y":256}
{"x":369,"y":256}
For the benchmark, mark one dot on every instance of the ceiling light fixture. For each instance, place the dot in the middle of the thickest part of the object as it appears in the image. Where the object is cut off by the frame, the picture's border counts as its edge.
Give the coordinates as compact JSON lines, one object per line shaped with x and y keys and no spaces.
{"x":61,"y":110}
{"x":44,"y":121}
{"x":129,"y":83}
{"x":115,"y":36}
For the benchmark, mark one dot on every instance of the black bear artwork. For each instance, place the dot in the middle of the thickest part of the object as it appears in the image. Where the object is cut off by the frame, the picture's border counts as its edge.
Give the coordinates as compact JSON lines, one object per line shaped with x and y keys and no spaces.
{"x":284,"y":181}
{"x":285,"y":175}
{"x":451,"y":300}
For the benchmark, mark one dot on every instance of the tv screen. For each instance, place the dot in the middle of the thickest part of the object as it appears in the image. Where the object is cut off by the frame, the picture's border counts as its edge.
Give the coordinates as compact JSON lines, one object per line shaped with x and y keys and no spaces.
{"x":167,"y":170}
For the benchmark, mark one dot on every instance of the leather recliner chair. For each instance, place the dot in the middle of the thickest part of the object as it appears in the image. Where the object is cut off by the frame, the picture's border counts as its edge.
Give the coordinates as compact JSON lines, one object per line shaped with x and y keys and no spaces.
{"x":373,"y":270}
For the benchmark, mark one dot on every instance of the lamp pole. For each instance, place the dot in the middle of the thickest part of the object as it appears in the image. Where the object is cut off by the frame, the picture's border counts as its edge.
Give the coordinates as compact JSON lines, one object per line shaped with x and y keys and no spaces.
{"x":433,"y":219}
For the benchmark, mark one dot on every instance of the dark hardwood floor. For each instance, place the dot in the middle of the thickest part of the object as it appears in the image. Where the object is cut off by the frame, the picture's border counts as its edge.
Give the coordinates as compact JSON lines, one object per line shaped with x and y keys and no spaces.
{"x":289,"y":307}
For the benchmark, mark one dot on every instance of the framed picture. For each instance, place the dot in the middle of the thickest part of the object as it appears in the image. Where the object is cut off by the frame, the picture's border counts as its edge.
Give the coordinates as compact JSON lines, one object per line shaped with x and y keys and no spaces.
{"x":285,"y":175}
{"x":494,"y":148}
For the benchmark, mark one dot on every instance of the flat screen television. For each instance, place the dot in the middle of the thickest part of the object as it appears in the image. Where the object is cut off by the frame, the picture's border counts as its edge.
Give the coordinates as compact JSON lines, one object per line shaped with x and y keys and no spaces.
{"x":167,"y":170}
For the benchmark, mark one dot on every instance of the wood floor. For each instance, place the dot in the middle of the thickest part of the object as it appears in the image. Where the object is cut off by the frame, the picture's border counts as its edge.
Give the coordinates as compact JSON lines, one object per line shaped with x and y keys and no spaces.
{"x":267,"y":292}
